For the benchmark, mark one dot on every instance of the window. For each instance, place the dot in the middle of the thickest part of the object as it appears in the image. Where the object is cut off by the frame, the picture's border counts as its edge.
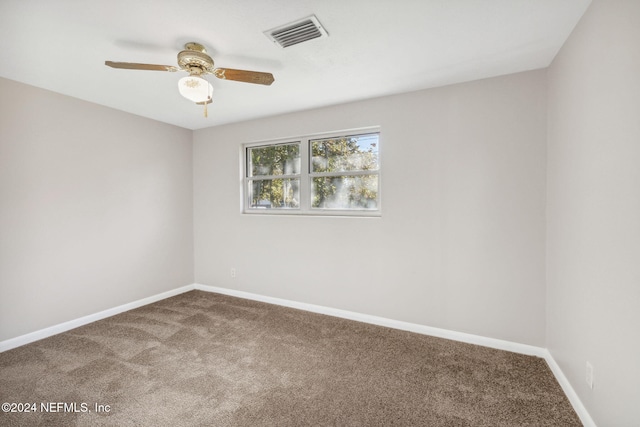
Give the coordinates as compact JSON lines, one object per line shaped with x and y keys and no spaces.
{"x":329,"y":174}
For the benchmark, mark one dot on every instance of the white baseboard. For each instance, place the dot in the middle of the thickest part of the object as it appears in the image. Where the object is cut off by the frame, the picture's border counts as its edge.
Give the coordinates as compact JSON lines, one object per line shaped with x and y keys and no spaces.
{"x":366,"y":318}
{"x":571,"y":394}
{"x":382,"y":321}
{"x":72,"y":324}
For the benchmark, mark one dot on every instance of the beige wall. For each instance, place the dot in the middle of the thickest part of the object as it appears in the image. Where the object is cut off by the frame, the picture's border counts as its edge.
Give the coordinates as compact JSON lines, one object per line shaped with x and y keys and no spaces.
{"x":460,"y":244}
{"x":594,"y":210}
{"x":95,"y":208}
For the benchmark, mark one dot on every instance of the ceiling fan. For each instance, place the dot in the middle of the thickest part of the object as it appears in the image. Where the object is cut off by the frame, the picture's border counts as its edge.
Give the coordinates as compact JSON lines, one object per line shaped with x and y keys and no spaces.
{"x":195,"y":61}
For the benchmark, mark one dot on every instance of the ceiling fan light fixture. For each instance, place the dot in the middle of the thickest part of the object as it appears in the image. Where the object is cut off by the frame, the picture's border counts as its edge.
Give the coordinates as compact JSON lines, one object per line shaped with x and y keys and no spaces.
{"x":195,"y":89}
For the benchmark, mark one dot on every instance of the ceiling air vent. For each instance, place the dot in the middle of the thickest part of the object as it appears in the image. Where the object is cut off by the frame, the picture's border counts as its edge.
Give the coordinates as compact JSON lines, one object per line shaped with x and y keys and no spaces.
{"x":297,"y":32}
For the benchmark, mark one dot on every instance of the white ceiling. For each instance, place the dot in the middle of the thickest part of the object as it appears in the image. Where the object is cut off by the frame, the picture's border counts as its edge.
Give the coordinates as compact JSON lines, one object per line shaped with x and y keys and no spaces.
{"x":374,"y":48}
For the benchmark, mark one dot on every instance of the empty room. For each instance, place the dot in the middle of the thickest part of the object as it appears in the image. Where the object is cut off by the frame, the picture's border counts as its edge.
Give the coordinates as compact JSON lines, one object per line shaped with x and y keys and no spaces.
{"x":340,"y":213}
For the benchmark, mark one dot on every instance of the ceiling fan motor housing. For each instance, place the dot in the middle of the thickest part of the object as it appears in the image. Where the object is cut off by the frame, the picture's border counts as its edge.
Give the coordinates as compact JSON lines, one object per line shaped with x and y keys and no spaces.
{"x":195,"y":60}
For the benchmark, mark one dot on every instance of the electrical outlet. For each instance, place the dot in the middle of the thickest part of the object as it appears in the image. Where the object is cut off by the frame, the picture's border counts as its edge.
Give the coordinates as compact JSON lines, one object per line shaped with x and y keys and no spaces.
{"x":589,"y":376}
{"x":233,"y":272}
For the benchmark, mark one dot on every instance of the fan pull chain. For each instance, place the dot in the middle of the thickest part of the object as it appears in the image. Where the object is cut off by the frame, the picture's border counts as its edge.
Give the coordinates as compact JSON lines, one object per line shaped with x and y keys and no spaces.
{"x":205,"y":109}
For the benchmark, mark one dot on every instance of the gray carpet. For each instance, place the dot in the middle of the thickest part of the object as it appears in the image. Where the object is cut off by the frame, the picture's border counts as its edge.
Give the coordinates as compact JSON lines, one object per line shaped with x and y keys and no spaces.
{"x":204,"y":359}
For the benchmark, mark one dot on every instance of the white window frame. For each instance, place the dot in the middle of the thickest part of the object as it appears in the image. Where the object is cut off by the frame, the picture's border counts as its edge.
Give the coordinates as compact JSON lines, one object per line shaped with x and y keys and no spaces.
{"x":306,"y":175}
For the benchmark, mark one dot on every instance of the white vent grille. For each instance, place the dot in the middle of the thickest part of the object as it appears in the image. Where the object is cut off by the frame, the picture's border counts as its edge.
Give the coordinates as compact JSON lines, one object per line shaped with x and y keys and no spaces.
{"x":297,"y":32}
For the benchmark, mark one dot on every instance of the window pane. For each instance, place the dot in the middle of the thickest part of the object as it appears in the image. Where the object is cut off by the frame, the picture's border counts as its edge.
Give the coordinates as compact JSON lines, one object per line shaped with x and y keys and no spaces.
{"x":282,"y":159}
{"x":345,"y":192}
{"x":274,"y":194}
{"x":352,"y":153}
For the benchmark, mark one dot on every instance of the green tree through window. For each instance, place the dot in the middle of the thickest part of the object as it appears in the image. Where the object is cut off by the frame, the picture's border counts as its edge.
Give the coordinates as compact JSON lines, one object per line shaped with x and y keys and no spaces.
{"x":337,"y":166}
{"x":275,"y":165}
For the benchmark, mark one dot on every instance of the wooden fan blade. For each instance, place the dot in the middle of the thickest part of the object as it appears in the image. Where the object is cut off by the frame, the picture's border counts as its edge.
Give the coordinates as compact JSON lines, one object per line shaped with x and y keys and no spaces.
{"x":244,"y":76}
{"x":136,"y":66}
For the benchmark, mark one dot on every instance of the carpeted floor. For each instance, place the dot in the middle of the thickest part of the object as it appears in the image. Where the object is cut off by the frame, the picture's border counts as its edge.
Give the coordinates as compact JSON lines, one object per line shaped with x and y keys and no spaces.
{"x":204,"y":359}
